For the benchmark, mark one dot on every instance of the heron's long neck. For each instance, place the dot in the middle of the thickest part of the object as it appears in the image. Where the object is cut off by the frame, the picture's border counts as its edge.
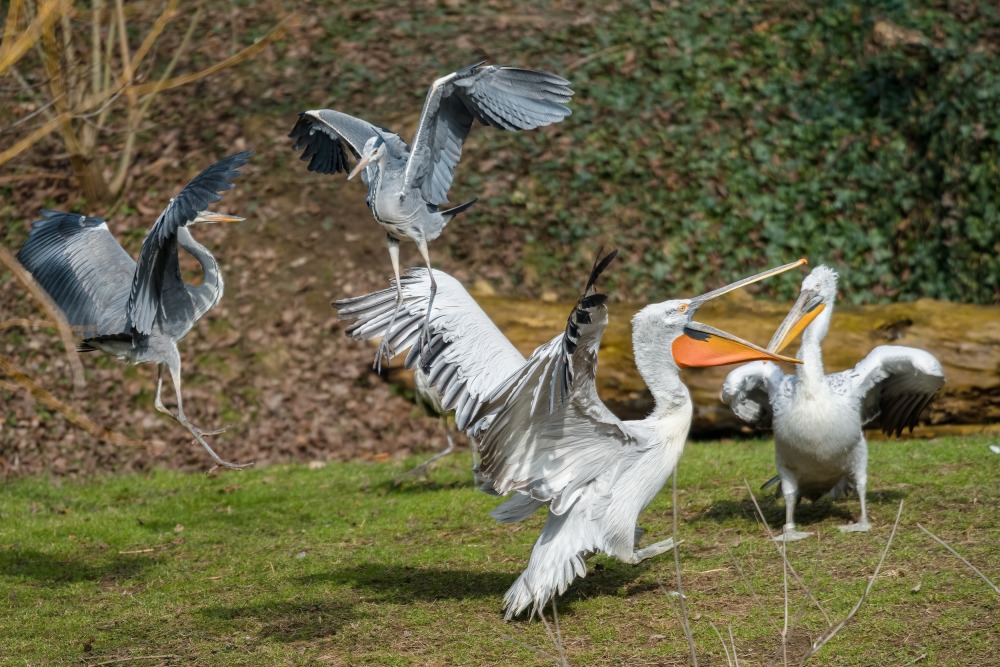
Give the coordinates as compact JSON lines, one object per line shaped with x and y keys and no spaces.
{"x":208,"y":293}
{"x":811,"y":372}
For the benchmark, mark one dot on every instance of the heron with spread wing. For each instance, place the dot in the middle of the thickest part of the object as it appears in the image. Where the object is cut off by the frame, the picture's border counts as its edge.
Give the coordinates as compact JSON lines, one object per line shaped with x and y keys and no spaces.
{"x":543,"y":432}
{"x":820,"y":447}
{"x":407,"y":186}
{"x":137,"y":312}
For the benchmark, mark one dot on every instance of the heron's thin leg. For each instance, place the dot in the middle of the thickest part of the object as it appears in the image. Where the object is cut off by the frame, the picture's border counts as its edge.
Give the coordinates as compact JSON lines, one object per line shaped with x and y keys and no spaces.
{"x":424,"y":333}
{"x":422,"y":468}
{"x":384,"y":350}
{"x":175,"y":375}
{"x":158,"y":402}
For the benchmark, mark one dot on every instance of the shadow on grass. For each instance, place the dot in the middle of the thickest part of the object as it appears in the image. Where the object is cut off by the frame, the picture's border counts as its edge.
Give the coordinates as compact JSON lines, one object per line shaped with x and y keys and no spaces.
{"x":60,"y":570}
{"x":403,"y":584}
{"x":284,"y":620}
{"x":808,"y":512}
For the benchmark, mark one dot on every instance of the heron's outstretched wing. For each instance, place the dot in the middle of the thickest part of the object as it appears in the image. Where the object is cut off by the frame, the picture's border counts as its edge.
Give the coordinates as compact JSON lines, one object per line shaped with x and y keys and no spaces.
{"x":157,"y":270}
{"x":466,"y":358}
{"x":748,"y":391}
{"x":83,"y":269}
{"x":896,"y":383}
{"x":545,"y":432}
{"x":326,"y":135}
{"x":505,"y":97}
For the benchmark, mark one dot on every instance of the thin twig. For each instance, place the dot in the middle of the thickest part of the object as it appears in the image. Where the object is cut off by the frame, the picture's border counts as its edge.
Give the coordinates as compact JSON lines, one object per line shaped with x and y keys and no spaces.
{"x":962,"y":558}
{"x":680,"y":589}
{"x":729,"y":660}
{"x":784,"y":585}
{"x":819,"y":643}
{"x":530,"y":648}
{"x":753,"y":593}
{"x":8,"y":260}
{"x":165,"y":656}
{"x":554,"y":637}
{"x":732,"y":641}
{"x":791,"y":569}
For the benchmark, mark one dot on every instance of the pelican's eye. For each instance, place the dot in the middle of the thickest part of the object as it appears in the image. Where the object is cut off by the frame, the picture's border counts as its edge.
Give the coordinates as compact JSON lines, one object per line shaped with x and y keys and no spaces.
{"x":683,"y":308}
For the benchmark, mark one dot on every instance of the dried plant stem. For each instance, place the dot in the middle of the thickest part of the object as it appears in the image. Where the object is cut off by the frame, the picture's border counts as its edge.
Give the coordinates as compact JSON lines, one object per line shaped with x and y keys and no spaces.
{"x":8,"y":260}
{"x":753,"y":593}
{"x":729,"y":659}
{"x":819,"y":643}
{"x":961,"y":558}
{"x":680,"y":588}
{"x":791,"y":569}
{"x":46,"y":398}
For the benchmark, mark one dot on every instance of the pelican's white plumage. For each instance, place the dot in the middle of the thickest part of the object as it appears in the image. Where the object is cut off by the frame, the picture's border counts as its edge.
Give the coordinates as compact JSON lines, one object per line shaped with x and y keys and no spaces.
{"x":818,"y":419}
{"x":543,"y":432}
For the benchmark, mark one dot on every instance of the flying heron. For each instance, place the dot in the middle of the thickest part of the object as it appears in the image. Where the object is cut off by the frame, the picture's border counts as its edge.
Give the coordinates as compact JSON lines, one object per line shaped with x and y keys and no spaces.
{"x":817,"y":419}
{"x":137,"y":312}
{"x":543,"y":432}
{"x":407,"y":187}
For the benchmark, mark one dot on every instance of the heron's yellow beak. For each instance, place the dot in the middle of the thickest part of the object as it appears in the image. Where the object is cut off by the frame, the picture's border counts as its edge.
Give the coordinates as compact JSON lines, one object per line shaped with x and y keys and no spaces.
{"x":362,"y":163}
{"x":209,"y":216}
{"x":701,"y":345}
{"x":806,"y":309}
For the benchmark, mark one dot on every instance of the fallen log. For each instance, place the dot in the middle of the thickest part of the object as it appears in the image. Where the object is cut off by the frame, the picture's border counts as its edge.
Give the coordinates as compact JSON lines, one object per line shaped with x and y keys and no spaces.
{"x":964,"y":338}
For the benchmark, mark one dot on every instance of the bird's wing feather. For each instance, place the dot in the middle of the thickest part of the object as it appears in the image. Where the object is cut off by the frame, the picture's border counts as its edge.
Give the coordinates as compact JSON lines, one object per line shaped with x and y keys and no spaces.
{"x":83,"y":269}
{"x":157,"y":270}
{"x":896,"y":383}
{"x":747,"y":391}
{"x":505,"y":97}
{"x":326,"y":135}
{"x":545,"y":432}
{"x":466,"y":358}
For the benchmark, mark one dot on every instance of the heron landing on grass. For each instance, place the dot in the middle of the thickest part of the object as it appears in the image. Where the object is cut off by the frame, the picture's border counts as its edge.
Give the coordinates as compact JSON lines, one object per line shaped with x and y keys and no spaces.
{"x":407,"y":186}
{"x":544,"y":434}
{"x":137,"y":312}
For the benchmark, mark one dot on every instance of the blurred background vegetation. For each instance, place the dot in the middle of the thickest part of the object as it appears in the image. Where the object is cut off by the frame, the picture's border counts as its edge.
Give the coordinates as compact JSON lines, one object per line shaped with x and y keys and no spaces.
{"x":708,"y":137}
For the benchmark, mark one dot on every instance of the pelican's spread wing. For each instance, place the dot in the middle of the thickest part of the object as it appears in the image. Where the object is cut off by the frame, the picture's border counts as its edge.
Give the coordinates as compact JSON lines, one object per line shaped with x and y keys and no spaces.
{"x":467,"y":357}
{"x":896,"y":383}
{"x":326,"y":135}
{"x":545,"y":432}
{"x":83,"y":269}
{"x":505,"y":97}
{"x":157,"y":269}
{"x":748,"y":389}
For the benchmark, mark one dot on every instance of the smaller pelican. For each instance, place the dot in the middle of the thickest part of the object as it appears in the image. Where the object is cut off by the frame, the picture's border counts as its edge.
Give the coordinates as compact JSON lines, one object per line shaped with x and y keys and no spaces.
{"x":817,"y":418}
{"x":544,"y":434}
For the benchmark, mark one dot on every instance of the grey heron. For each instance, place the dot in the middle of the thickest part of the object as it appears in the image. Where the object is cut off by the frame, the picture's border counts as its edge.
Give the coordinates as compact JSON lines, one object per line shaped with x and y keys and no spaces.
{"x":407,"y":186}
{"x":543,"y":432}
{"x":817,"y":419}
{"x":137,"y":312}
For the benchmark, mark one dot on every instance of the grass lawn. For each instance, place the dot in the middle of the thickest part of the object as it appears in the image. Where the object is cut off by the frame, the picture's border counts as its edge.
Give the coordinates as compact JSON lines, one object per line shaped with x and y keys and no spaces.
{"x":335,"y":566}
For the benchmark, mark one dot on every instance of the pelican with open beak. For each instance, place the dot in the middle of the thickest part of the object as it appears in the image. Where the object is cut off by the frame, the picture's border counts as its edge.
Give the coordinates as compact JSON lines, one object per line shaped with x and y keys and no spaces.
{"x":818,"y":419}
{"x":545,"y":436}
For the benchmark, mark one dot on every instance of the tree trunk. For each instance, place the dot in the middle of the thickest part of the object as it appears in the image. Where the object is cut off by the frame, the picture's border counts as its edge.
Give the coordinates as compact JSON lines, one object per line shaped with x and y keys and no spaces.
{"x":964,"y":338}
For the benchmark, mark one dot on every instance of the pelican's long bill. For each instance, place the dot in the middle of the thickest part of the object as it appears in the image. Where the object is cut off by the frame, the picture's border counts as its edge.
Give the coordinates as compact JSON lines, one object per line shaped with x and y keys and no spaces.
{"x":805,"y":310}
{"x":701,"y":345}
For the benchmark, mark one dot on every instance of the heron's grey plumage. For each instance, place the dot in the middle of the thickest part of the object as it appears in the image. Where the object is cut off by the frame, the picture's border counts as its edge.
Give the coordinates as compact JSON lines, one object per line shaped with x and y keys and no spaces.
{"x":820,"y":447}
{"x":137,"y":311}
{"x":408,"y":186}
{"x":546,"y":437}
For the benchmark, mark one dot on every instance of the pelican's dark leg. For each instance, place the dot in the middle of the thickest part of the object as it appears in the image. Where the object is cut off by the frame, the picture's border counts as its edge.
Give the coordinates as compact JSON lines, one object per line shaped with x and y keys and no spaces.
{"x":174,"y":366}
{"x":425,"y":332}
{"x":384,"y":350}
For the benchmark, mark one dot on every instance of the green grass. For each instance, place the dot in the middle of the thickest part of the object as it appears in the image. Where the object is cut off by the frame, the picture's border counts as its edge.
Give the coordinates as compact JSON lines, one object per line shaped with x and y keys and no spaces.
{"x":296,"y":566}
